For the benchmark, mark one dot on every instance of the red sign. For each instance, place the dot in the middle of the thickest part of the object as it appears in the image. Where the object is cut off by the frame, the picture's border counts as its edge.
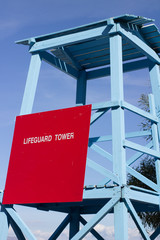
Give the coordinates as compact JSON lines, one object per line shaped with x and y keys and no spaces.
{"x":48,"y":157}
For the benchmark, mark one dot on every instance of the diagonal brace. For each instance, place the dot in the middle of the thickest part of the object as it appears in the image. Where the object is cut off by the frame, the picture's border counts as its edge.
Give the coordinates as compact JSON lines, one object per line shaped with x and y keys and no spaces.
{"x":102,"y":170}
{"x":155,"y":234}
{"x":93,"y":231}
{"x":139,"y":44}
{"x":136,"y":219}
{"x":97,"y":218}
{"x":142,"y":178}
{"x":61,"y":227}
{"x":23,"y":227}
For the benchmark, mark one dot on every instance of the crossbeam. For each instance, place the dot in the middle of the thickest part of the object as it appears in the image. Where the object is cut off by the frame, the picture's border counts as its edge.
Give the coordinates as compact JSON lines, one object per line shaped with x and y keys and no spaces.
{"x":59,"y":64}
{"x":132,"y":37}
{"x":69,"y":39}
{"x":96,"y":219}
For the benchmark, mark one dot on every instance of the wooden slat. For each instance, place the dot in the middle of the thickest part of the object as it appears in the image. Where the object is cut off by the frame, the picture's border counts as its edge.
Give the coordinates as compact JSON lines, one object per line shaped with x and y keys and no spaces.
{"x":76,"y":48}
{"x":97,"y":54}
{"x":91,"y":51}
{"x":153,"y":40}
{"x":148,"y":29}
{"x":105,"y":58}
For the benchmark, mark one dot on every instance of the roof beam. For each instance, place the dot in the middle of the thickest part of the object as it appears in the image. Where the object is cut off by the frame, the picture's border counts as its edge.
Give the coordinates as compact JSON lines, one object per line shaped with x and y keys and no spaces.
{"x":139,"y":44}
{"x":69,"y":55}
{"x":70,"y":38}
{"x":127,"y":67}
{"x":56,"y":62}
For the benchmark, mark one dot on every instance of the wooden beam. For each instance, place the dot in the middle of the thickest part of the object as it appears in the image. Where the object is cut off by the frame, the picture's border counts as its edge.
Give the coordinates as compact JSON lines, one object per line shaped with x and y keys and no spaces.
{"x":70,"y":38}
{"x":139,"y":44}
{"x":56,"y":62}
{"x":127,"y":67}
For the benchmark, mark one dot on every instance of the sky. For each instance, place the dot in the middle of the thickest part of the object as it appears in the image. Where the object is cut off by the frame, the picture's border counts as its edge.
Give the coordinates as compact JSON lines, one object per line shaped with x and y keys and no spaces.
{"x":24,"y":19}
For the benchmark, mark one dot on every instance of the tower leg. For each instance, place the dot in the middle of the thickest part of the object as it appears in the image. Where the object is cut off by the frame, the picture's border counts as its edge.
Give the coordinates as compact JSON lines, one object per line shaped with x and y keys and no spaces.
{"x":4,"y":225}
{"x":31,"y":84}
{"x":154,"y":71}
{"x":74,"y":222}
{"x":118,"y":134}
{"x":81,"y":88}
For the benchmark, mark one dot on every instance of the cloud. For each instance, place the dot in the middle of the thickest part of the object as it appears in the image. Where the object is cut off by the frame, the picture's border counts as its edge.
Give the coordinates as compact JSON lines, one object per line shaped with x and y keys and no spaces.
{"x":107,"y":232}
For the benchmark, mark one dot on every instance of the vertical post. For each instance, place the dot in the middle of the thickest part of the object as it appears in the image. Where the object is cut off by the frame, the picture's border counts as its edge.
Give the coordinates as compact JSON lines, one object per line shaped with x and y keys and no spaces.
{"x":155,"y":83}
{"x":118,"y":134}
{"x":74,"y":222}
{"x":31,"y":85}
{"x":3,"y":226}
{"x":81,"y":88}
{"x":155,"y":140}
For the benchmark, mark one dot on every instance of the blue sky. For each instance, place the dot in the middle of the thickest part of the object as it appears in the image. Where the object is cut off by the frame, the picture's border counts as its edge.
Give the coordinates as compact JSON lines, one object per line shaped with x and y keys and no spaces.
{"x":23,"y":19}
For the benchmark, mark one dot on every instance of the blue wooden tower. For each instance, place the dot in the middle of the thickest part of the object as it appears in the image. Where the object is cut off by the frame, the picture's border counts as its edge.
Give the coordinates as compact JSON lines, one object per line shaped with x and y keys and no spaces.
{"x":107,"y":48}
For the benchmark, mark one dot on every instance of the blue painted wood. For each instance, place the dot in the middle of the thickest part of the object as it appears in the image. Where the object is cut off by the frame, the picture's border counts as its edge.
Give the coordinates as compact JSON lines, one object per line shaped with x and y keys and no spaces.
{"x":101,"y":151}
{"x":138,"y":155}
{"x":139,"y":44}
{"x":65,"y":32}
{"x":147,"y":30}
{"x":127,"y":135}
{"x":127,"y":67}
{"x":85,"y":47}
{"x":139,"y":194}
{"x":59,"y":64}
{"x":133,"y":56}
{"x":16,"y":230}
{"x":100,"y":169}
{"x":142,"y":178}
{"x":136,"y":219}
{"x":88,"y":47}
{"x":118,"y":134}
{"x":60,"y":228}
{"x":96,"y":219}
{"x":99,"y":139}
{"x":74,"y":222}
{"x":68,"y":39}
{"x":155,"y":141}
{"x":155,"y":234}
{"x":25,"y":230}
{"x":97,"y":115}
{"x":31,"y":85}
{"x":81,"y":88}
{"x":105,"y":105}
{"x":91,"y":61}
{"x":155,"y":83}
{"x":120,"y":215}
{"x":97,"y":63}
{"x":140,"y":148}
{"x":92,"y":55}
{"x":138,"y":134}
{"x":72,"y":59}
{"x":1,"y":196}
{"x":4,"y":225}
{"x":99,"y":193}
{"x":139,"y":111}
{"x":94,"y":232}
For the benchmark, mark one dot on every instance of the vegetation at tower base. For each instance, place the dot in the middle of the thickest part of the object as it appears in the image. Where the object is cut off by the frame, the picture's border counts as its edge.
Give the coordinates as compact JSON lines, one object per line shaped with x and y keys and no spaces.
{"x":147,"y":168}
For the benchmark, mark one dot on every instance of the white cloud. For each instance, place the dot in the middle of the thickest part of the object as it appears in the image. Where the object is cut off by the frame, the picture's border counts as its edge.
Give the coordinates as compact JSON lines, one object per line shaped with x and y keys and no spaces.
{"x":107,"y":232}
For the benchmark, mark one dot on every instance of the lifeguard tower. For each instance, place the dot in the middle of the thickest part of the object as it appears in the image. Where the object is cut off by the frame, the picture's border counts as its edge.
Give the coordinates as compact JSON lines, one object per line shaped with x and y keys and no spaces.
{"x":107,"y":48}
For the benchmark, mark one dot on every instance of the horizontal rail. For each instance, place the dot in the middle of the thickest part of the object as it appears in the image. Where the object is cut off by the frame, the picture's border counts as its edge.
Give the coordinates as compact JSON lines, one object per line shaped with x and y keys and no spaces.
{"x":139,"y":111}
{"x":140,"y":148}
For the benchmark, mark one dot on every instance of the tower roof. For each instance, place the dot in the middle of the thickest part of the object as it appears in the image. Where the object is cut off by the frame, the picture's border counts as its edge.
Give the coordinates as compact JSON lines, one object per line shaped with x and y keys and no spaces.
{"x":87,"y":46}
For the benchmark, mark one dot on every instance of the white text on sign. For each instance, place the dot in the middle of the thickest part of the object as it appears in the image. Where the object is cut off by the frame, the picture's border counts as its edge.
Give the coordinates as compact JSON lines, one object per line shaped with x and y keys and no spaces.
{"x":64,"y":136}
